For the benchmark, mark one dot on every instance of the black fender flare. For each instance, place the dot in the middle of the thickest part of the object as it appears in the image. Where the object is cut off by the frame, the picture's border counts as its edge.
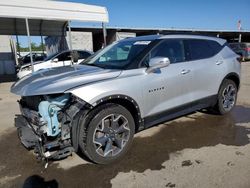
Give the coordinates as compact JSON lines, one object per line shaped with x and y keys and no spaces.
{"x":232,"y":74}
{"x":121,"y":97}
{"x":83,"y":113}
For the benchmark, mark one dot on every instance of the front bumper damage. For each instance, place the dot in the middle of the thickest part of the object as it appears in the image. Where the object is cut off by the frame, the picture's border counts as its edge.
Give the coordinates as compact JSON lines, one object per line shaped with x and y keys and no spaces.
{"x":46,"y":125}
{"x":43,"y":148}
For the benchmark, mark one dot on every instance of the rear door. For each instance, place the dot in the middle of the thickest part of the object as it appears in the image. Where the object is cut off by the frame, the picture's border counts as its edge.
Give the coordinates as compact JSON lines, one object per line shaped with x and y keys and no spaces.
{"x":207,"y":65}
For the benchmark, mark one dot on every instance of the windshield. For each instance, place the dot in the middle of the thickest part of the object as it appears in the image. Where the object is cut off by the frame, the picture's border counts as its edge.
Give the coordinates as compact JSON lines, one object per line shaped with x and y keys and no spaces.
{"x":117,"y":55}
{"x":51,"y":56}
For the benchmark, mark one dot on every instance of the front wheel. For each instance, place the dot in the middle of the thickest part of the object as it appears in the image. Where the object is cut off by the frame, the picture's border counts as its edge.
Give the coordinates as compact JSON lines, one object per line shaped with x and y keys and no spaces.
{"x":227,"y":97}
{"x":109,"y":134}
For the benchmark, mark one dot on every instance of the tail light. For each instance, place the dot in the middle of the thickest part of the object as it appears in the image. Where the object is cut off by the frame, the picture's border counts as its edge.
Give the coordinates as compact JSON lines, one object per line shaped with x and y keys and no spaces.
{"x":239,"y":59}
{"x":247,"y":49}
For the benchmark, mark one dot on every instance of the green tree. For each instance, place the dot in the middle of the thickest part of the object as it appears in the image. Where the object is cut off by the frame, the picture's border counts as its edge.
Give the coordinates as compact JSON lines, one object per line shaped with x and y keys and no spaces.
{"x":18,"y":47}
{"x":34,"y":47}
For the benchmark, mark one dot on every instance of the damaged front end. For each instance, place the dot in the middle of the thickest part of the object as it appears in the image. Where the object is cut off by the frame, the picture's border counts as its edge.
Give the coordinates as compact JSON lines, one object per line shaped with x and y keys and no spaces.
{"x":47,"y":124}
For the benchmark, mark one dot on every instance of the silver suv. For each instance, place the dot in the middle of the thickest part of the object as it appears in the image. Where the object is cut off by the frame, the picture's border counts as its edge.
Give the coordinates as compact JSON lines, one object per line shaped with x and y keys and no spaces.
{"x":96,"y":107}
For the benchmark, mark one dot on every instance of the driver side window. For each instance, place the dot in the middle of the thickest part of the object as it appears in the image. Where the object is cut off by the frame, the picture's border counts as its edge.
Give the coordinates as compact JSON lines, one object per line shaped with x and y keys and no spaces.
{"x":172,"y":49}
{"x":64,"y":56}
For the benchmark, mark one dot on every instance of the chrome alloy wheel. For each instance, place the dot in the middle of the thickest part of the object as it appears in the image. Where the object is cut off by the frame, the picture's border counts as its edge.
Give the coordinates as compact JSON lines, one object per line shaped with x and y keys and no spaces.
{"x":111,"y":135}
{"x":229,"y":97}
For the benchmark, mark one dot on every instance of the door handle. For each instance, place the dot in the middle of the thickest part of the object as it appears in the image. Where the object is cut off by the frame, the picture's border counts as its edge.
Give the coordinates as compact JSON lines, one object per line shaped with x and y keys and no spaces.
{"x":219,"y":62}
{"x":184,"y":71}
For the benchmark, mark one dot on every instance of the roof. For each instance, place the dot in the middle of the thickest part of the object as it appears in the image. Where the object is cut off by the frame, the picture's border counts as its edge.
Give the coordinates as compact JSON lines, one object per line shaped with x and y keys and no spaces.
{"x":145,"y":38}
{"x":45,"y":17}
{"x":173,"y":36}
{"x":221,"y":41}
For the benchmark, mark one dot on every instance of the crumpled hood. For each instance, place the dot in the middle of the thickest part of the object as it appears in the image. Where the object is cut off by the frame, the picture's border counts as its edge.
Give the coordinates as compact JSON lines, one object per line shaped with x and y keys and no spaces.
{"x":58,"y":80}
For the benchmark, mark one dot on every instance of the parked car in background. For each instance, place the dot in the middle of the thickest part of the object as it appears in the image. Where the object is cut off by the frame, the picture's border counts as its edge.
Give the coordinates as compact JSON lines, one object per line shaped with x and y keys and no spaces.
{"x":36,"y":57}
{"x":55,"y":60}
{"x":98,"y":105}
{"x":242,"y":49}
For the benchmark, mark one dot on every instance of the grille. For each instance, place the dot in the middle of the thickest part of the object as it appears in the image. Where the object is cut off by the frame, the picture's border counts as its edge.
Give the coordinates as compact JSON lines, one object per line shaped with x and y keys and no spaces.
{"x":31,"y":102}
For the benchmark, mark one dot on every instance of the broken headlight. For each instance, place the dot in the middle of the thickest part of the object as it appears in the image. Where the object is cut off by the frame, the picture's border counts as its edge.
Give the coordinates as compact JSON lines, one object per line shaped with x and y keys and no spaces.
{"x":26,"y":68}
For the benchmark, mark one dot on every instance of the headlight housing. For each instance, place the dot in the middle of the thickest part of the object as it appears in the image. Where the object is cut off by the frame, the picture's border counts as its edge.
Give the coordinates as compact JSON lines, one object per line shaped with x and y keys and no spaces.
{"x":26,"y":68}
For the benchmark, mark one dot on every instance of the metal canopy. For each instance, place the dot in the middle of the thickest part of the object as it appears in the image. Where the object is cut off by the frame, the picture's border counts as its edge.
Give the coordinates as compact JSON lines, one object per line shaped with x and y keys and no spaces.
{"x":52,"y":10}
{"x":45,"y":17}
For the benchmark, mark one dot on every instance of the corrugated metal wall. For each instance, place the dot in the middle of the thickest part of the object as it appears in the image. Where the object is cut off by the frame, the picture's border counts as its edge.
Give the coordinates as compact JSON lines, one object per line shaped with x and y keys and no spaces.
{"x":80,"y":41}
{"x":7,"y":61}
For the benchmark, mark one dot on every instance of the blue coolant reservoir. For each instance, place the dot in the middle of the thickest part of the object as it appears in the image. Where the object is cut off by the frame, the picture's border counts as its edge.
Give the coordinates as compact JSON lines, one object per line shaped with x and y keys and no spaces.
{"x":48,"y":110}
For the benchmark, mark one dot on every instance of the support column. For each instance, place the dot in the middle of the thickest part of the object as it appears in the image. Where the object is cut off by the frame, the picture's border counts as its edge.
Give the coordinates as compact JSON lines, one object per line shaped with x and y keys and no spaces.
{"x":70,"y":45}
{"x":17,"y":50}
{"x":104,"y":30}
{"x":240,"y":37}
{"x":70,"y":39}
{"x":41,"y":26}
{"x":42,"y":43}
{"x":14,"y":44}
{"x":17,"y":40}
{"x":29,"y":42}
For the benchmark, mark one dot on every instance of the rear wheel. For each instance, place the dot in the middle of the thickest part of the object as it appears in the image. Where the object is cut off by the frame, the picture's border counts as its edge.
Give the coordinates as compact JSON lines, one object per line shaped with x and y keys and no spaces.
{"x":109,"y":133}
{"x":227,"y":97}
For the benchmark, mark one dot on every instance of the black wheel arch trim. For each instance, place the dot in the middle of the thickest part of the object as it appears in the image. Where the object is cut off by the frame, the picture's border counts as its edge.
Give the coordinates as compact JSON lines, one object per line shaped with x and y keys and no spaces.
{"x":116,"y":97}
{"x":111,"y":98}
{"x":232,"y":74}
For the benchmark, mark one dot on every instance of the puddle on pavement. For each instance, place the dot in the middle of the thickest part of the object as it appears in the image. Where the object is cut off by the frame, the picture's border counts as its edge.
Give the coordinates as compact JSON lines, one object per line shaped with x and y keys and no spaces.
{"x":146,"y":153}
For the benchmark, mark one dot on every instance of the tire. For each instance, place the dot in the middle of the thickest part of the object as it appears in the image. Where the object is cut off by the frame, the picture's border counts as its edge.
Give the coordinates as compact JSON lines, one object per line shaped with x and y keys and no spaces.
{"x":225,"y":103}
{"x":107,"y":133}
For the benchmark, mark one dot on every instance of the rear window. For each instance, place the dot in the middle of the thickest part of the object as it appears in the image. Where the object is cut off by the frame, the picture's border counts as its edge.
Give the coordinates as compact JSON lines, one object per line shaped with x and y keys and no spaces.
{"x":216,"y":47}
{"x":201,"y":49}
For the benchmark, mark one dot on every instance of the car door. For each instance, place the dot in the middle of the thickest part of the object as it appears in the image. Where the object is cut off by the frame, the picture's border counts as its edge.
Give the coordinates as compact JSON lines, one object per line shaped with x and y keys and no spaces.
{"x":207,"y":66}
{"x":168,"y":87}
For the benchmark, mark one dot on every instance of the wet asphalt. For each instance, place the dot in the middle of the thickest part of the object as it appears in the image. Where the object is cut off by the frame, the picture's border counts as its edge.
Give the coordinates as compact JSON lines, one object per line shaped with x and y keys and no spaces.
{"x":145,"y":153}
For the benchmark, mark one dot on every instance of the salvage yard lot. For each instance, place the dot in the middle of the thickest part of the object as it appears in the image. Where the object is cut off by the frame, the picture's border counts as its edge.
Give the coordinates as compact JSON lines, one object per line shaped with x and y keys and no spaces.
{"x":199,"y":150}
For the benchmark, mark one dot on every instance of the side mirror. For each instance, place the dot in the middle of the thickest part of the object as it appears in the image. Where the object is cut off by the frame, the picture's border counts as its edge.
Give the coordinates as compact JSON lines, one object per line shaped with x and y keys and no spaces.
{"x":75,"y":56}
{"x":55,"y":60}
{"x":157,"y":63}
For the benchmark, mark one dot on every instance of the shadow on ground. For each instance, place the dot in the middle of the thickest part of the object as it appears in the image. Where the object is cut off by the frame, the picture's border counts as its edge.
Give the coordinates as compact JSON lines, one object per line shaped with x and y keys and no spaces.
{"x":38,"y":182}
{"x":146,"y":153}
